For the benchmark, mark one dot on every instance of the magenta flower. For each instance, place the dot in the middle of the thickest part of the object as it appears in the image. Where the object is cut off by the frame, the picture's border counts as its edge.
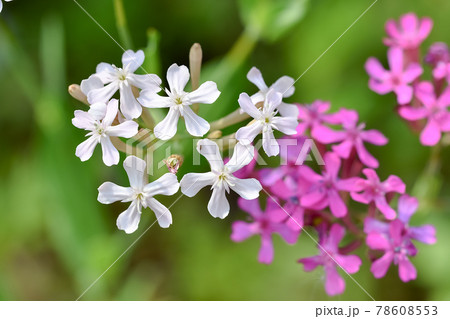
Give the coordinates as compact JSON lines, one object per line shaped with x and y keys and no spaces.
{"x":442,"y":71}
{"x":409,"y":33}
{"x":330,"y":258}
{"x":433,"y":109}
{"x":313,"y":116}
{"x":353,"y":137}
{"x":375,"y":191}
{"x":397,"y":79}
{"x":397,"y":248}
{"x":437,"y":53}
{"x":264,"y":224}
{"x":325,"y":188}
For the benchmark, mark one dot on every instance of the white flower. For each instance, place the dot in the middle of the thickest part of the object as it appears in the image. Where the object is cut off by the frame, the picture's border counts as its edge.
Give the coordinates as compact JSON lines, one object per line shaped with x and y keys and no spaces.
{"x":221,"y":177}
{"x":283,"y":85}
{"x":178,"y":101}
{"x":1,"y":4}
{"x":140,"y":194}
{"x":98,"y":120}
{"x":122,"y":79}
{"x":265,"y":122}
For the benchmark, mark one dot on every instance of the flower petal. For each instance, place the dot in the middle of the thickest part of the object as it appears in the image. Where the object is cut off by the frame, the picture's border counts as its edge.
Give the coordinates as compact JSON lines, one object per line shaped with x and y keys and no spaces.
{"x":192,"y":183}
{"x":165,"y":185}
{"x":149,"y":82}
{"x":195,"y":125}
{"x":265,"y":255}
{"x":270,"y":144}
{"x":218,"y":205}
{"x":247,"y":134}
{"x":92,"y":83}
{"x":162,"y":213}
{"x":131,"y":61}
{"x":286,"y":125}
{"x":150,"y":99}
{"x":103,"y":94}
{"x":406,"y":270}
{"x":167,"y":128}
{"x":334,"y":284}
{"x":210,"y":150}
{"x":248,"y":188}
{"x":129,"y":106}
{"x":255,"y":76}
{"x":178,"y":77}
{"x":284,"y":85}
{"x":109,"y":193}
{"x":380,"y":266}
{"x":126,"y":129}
{"x":85,"y":150}
{"x":241,"y":231}
{"x":129,"y":220}
{"x":242,"y":156}
{"x":246,"y":104}
{"x":110,"y":153}
{"x":207,"y":93}
{"x":136,"y":169}
{"x":288,"y":110}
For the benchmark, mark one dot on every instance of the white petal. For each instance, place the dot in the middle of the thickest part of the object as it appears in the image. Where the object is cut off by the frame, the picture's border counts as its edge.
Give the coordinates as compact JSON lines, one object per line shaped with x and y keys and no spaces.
{"x":129,"y":220}
{"x":85,"y":150}
{"x":165,"y":185}
{"x":257,"y":97}
{"x":248,"y":188}
{"x":92,"y":83}
{"x":273,"y":100}
{"x":207,"y":93}
{"x":109,"y":193}
{"x":106,"y":73}
{"x":195,"y":125}
{"x":284,"y":85}
{"x":288,"y":110}
{"x":210,"y":150}
{"x":178,"y":77}
{"x":129,"y":106}
{"x":247,"y":134}
{"x":1,"y":6}
{"x":162,"y":213}
{"x":192,"y":183}
{"x":111,"y":112}
{"x":83,"y":120}
{"x":103,"y":94}
{"x":218,"y":205}
{"x":98,"y":111}
{"x":153,"y":100}
{"x":286,"y":125}
{"x":110,"y":153}
{"x":270,"y":144}
{"x":136,"y":171}
{"x":150,"y":82}
{"x":248,"y":107}
{"x":126,"y":129}
{"x":242,"y":156}
{"x":255,"y":76}
{"x":131,"y":61}
{"x":167,"y":128}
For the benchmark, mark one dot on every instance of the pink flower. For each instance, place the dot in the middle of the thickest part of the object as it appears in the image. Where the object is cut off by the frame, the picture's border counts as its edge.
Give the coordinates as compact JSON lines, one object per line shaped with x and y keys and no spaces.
{"x":325,"y":188}
{"x":314,"y":115}
{"x":397,"y":79}
{"x":264,"y":224}
{"x":330,"y":258}
{"x":433,"y":109}
{"x":396,"y":249}
{"x":373,"y":190}
{"x":437,"y":53}
{"x":353,"y":137}
{"x":409,"y":33}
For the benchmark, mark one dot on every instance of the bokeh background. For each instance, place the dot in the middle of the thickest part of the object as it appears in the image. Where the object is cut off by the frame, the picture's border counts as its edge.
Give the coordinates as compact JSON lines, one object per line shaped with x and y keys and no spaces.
{"x":56,"y":239}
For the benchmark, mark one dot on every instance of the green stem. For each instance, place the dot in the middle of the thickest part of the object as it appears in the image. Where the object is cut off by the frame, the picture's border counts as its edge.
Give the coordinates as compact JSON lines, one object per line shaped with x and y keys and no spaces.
{"x":121,"y":23}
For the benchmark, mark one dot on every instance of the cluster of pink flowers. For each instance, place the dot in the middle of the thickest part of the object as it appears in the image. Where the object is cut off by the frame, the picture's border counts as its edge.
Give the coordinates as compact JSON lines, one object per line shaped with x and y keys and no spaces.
{"x":302,"y":199}
{"x":422,"y":103}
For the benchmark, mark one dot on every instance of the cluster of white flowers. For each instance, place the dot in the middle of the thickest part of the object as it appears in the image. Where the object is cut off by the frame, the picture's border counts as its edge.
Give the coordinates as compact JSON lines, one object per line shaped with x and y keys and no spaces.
{"x":108,"y":117}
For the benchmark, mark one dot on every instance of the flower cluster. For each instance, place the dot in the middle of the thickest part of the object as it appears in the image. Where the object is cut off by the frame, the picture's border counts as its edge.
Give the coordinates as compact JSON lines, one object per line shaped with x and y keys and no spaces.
{"x":424,"y":104}
{"x":124,"y":104}
{"x":300,"y":198}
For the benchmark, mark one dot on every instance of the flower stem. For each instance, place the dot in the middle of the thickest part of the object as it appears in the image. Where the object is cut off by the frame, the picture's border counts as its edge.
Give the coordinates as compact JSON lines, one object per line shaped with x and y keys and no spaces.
{"x":121,"y":23}
{"x":228,"y":120}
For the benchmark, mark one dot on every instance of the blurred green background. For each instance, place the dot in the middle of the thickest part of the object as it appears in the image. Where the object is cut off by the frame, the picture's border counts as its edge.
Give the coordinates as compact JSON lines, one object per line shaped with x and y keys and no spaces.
{"x":56,"y":239}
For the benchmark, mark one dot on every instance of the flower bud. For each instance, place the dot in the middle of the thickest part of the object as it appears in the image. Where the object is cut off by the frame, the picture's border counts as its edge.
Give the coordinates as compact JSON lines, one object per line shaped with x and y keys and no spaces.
{"x":173,"y":163}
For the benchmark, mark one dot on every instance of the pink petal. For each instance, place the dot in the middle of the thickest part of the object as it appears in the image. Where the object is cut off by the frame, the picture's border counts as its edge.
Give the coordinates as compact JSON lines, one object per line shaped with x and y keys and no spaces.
{"x":337,"y":205}
{"x":334,"y":284}
{"x":353,"y":184}
{"x":395,"y":59}
{"x":325,"y":135}
{"x":335,"y":236}
{"x":406,"y":270}
{"x":412,"y":72}
{"x":409,"y":22}
{"x":241,"y":231}
{"x":380,"y":87}
{"x":413,"y":113}
{"x":384,"y":207}
{"x":394,"y":184}
{"x":425,"y":28}
{"x":380,"y":266}
{"x":425,"y":93}
{"x":374,"y":137}
{"x":431,"y":134}
{"x":375,"y":69}
{"x":344,"y":149}
{"x":311,"y":263}
{"x":332,"y":164}
{"x":374,"y":225}
{"x":392,"y":29}
{"x":265,"y":255}
{"x":307,"y":173}
{"x":404,"y":94}
{"x":313,"y":200}
{"x":364,"y":155}
{"x":287,"y":233}
{"x":377,"y":241}
{"x":350,"y":264}
{"x":425,"y":234}
{"x":407,"y":206}
{"x":361,"y":198}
